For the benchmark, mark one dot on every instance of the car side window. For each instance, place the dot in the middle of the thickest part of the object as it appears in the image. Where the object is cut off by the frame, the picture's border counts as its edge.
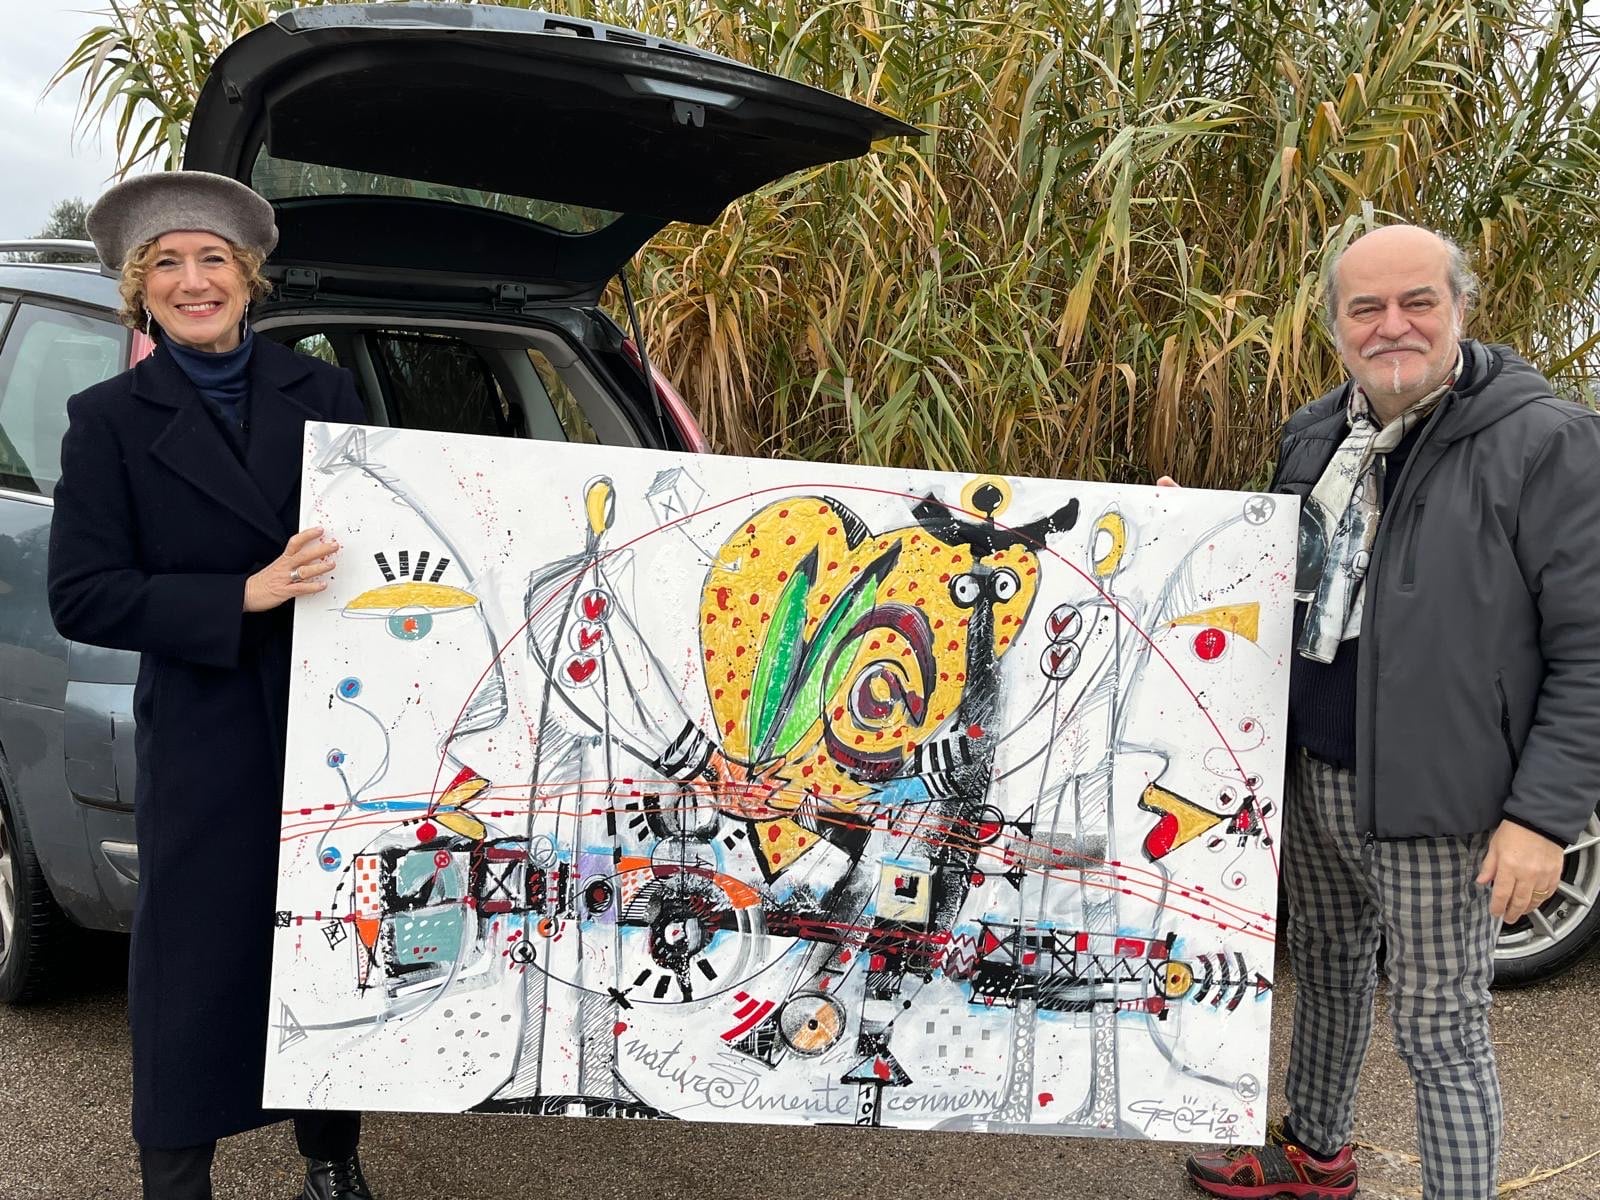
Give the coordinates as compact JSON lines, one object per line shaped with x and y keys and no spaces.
{"x":316,"y":345}
{"x":49,"y":355}
{"x":440,"y":383}
{"x":574,"y":421}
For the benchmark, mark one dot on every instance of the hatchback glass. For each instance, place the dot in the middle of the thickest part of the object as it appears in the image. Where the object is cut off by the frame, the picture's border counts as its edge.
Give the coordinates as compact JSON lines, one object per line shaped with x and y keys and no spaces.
{"x":287,"y":179}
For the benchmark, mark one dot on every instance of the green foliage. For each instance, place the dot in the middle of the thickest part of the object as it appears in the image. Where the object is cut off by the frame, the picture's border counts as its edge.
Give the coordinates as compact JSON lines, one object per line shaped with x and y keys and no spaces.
{"x":1102,"y":258}
{"x":66,"y":222}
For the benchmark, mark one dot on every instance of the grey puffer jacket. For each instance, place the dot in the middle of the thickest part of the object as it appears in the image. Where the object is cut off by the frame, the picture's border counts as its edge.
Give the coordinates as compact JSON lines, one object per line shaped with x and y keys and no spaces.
{"x":1478,"y":676}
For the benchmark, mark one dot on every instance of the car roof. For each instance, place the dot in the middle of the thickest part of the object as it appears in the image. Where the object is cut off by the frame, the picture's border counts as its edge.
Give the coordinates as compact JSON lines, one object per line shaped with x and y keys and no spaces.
{"x":65,"y":281}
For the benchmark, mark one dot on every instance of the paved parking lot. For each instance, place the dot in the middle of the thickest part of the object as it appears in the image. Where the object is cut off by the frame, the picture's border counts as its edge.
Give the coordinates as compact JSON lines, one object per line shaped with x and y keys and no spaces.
{"x":64,"y":1099}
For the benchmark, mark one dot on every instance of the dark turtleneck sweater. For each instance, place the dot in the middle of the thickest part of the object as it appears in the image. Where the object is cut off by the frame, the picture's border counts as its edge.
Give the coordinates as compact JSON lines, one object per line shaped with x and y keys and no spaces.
{"x":223,"y":381}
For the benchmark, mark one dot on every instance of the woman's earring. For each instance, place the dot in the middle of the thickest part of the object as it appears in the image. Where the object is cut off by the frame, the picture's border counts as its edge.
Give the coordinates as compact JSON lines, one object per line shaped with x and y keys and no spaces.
{"x":147,"y":320}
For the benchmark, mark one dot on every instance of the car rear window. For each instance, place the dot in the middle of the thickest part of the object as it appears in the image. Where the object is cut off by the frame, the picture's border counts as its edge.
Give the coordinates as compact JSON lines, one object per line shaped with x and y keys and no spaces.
{"x":287,"y":179}
{"x":442,"y":384}
{"x":49,"y":355}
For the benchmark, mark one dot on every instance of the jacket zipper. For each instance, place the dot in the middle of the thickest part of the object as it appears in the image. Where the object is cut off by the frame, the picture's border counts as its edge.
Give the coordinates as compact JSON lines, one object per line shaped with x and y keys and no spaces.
{"x":1366,"y":798}
{"x":1505,"y":723}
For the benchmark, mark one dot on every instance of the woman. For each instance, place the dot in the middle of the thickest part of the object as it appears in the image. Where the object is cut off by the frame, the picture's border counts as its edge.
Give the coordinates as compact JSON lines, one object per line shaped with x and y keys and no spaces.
{"x":174,"y":536}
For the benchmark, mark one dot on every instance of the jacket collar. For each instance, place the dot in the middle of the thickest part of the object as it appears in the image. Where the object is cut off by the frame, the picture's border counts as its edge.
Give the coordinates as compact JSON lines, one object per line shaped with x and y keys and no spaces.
{"x":194,"y":447}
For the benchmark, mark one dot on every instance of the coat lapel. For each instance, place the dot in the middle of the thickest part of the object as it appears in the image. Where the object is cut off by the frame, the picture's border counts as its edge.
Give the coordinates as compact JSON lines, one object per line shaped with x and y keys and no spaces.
{"x":277,"y":424}
{"x":194,"y":447}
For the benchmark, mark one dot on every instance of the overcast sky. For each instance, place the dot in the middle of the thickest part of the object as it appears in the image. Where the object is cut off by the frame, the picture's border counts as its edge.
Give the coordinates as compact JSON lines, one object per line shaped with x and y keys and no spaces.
{"x":41,"y":161}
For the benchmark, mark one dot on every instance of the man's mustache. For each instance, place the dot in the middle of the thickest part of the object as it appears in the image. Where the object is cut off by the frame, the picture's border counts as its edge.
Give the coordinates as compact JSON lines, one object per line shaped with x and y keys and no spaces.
{"x":1403,"y":344}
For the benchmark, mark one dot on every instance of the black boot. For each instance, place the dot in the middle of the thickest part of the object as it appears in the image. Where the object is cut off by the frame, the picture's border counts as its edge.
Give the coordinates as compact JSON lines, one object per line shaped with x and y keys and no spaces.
{"x":335,"y":1179}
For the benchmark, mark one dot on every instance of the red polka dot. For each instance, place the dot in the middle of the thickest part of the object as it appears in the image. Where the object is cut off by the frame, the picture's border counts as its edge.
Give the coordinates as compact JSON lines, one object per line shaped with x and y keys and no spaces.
{"x":1209,"y":644}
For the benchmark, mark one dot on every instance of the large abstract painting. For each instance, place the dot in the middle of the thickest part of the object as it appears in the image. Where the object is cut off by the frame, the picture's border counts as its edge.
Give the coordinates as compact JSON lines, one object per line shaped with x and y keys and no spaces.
{"x":629,"y":784}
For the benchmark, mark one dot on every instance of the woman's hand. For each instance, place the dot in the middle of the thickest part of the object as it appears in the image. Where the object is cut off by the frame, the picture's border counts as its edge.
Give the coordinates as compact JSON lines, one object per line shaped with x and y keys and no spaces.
{"x":293,"y":573}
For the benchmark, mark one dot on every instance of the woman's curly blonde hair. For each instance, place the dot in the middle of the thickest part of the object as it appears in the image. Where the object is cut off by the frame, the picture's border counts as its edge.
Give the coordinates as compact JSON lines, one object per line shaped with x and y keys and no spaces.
{"x":137,"y":267}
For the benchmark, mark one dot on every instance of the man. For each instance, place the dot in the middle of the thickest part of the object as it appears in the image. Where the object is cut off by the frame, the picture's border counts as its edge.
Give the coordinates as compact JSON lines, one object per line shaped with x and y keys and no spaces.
{"x":1443,"y":703}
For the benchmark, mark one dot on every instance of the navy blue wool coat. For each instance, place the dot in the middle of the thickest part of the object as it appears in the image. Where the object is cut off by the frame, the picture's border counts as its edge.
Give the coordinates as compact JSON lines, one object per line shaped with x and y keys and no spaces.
{"x":157,"y":526}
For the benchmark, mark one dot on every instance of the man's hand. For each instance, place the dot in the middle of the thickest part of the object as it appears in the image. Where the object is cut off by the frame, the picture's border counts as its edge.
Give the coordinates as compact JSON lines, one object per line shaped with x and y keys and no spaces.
{"x":1523,"y":866}
{"x":1167,"y":481}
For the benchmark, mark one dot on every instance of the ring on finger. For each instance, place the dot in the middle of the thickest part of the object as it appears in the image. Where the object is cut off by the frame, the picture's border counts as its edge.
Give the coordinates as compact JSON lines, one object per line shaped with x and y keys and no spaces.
{"x":1541,"y":895}
{"x":294,"y":575}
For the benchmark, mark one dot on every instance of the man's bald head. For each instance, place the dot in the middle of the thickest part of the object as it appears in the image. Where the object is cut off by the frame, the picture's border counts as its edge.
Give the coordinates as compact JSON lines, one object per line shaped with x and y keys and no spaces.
{"x":1410,"y":241}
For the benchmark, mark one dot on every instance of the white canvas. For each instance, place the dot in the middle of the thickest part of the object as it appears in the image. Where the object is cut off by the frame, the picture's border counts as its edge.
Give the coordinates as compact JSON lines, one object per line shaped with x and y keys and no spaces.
{"x":632,"y":784}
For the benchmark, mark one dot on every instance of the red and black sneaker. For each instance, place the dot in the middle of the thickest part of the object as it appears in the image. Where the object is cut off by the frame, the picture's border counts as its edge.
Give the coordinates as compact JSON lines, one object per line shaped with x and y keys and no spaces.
{"x":1280,"y":1168}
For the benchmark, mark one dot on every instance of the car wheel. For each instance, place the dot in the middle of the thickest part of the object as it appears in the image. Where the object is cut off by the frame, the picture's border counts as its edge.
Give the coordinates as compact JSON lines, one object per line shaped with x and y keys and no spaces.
{"x":30,"y":922}
{"x":1562,"y":929}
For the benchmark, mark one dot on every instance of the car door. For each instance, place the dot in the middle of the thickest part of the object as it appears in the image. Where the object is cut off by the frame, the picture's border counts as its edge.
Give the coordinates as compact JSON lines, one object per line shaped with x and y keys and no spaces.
{"x":56,"y":741}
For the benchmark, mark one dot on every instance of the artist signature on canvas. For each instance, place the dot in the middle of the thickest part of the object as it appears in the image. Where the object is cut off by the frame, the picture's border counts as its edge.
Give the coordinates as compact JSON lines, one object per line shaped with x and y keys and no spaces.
{"x":1190,"y":1116}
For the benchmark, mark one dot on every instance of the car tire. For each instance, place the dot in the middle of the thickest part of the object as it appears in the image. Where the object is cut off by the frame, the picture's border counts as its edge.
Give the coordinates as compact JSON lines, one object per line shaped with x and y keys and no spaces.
{"x":31,"y":924}
{"x":1564,"y":928}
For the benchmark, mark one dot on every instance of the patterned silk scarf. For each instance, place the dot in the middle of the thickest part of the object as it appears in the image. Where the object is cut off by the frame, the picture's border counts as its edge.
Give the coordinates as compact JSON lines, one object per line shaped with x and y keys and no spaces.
{"x":1339,"y":522}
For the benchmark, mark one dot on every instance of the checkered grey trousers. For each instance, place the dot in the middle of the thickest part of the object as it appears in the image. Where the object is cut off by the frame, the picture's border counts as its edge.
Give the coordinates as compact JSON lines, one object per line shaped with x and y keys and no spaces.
{"x":1420,"y":896}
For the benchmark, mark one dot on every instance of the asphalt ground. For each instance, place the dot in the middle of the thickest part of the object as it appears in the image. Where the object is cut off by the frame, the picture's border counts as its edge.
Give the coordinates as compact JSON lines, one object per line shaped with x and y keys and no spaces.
{"x":64,"y":1128}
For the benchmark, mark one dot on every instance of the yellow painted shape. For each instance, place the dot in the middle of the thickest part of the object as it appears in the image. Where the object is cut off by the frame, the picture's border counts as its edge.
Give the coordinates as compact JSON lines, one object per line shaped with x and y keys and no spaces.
{"x":467,"y":789}
{"x":457,"y":821}
{"x":1242,"y":619}
{"x":1192,"y":819}
{"x":437,"y":597}
{"x":999,"y":483}
{"x":600,"y":504}
{"x":781,"y":842}
{"x":1176,"y":979}
{"x":738,"y":604}
{"x":1111,"y":523}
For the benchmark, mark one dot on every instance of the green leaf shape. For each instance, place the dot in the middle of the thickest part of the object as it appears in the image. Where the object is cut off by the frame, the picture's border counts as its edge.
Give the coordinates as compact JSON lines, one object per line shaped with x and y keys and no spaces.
{"x":803,"y":704}
{"x":781,"y":652}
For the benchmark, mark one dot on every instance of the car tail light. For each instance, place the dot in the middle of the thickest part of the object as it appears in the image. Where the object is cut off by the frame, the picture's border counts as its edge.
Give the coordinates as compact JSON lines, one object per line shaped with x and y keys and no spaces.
{"x":676,"y":407}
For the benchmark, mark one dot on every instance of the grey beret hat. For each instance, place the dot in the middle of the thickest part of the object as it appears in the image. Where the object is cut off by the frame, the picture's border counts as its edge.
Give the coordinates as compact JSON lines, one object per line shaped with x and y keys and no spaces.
{"x":147,"y":206}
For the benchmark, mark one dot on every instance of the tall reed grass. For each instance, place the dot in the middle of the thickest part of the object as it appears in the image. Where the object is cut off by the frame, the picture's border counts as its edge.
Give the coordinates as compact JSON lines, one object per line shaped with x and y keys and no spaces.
{"x":1102,"y":257}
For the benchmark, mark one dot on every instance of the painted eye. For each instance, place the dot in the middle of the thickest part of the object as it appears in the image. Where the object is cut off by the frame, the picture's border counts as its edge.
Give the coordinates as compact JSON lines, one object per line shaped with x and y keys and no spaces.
{"x":1004,"y":584}
{"x":407,"y":608}
{"x":965,"y":590}
{"x":411,"y":625}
